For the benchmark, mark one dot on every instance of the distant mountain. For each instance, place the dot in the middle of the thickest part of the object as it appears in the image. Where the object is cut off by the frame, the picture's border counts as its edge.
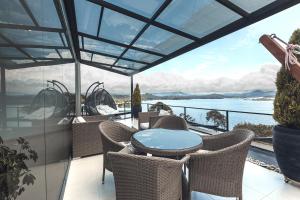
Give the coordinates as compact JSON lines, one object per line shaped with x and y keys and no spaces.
{"x":251,"y":94}
{"x":163,"y":94}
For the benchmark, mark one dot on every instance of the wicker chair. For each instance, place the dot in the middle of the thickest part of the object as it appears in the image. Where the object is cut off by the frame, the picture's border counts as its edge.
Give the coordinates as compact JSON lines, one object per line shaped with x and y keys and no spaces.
{"x":171,"y":122}
{"x":218,"y":168}
{"x":112,"y":134}
{"x":146,"y":178}
{"x":144,"y":118}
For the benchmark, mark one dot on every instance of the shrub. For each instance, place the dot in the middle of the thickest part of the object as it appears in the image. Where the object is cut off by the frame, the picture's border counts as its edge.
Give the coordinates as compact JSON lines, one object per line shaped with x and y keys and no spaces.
{"x":217,"y":118}
{"x":160,"y":105}
{"x":136,"y":97}
{"x":260,"y":130}
{"x":287,"y":99}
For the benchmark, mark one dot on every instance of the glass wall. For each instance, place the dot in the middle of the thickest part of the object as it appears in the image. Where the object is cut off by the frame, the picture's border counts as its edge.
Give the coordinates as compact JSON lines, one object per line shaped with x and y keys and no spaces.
{"x":36,"y":105}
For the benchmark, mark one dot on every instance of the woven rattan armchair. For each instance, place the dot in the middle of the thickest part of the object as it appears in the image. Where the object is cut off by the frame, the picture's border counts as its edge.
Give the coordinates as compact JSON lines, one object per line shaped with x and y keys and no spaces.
{"x":113,"y":134}
{"x":146,"y":178}
{"x":218,"y":168}
{"x":171,"y":122}
{"x":144,"y":118}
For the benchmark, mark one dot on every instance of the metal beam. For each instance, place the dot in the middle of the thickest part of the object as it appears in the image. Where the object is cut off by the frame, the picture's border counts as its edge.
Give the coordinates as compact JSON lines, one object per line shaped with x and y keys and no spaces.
{"x":3,"y":99}
{"x":254,"y":17}
{"x":143,"y":19}
{"x":131,"y":94}
{"x":119,"y":44}
{"x":38,"y":64}
{"x":28,"y":11}
{"x":107,"y":65}
{"x":77,"y":89}
{"x":33,"y":46}
{"x":156,"y":14}
{"x":233,"y":7}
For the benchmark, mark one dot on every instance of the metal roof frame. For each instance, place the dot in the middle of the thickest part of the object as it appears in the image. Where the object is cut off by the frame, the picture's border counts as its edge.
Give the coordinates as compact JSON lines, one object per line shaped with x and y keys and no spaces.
{"x":66,"y":11}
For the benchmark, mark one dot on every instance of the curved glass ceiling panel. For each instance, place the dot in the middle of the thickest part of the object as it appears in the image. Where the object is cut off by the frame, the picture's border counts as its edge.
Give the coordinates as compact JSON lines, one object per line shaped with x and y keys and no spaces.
{"x":198,"y":18}
{"x":119,"y":27}
{"x":22,"y":61}
{"x":85,"y":56}
{"x":103,"y":59}
{"x":10,"y":52}
{"x":138,"y":6}
{"x":42,"y":53}
{"x":44,"y":12}
{"x":32,"y":37}
{"x":129,"y":64}
{"x":161,"y":41}
{"x":87,"y":16}
{"x":251,"y":6}
{"x":65,"y":53}
{"x":102,"y":47}
{"x":141,"y":56}
{"x":12,"y":12}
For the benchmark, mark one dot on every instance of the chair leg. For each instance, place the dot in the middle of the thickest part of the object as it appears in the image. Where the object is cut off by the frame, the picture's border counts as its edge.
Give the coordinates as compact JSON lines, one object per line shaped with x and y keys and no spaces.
{"x":103,"y":175}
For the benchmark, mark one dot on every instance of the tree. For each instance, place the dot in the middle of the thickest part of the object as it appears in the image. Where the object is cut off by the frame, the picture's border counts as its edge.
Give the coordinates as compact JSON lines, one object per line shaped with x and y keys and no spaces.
{"x":287,"y":99}
{"x":136,"y":98}
{"x":217,"y":118}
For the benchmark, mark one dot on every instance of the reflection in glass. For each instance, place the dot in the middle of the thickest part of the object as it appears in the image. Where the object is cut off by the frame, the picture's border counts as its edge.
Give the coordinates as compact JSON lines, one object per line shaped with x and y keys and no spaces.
{"x":85,"y":55}
{"x":140,"y":56}
{"x":13,"y":13}
{"x":129,"y":64}
{"x":10,"y":52}
{"x":44,"y":13}
{"x":161,"y":41}
{"x":103,"y":59}
{"x":251,"y":6}
{"x":119,"y":27}
{"x":65,"y":53}
{"x":32,"y":37}
{"x":102,"y":47}
{"x":87,"y":16}
{"x":139,"y":6}
{"x":42,"y":53}
{"x":198,"y":18}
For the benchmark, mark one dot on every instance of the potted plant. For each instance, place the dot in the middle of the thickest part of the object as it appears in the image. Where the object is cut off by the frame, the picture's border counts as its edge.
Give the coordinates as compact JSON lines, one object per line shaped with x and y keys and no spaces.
{"x":14,"y":173}
{"x":136,"y":101}
{"x":286,"y":135}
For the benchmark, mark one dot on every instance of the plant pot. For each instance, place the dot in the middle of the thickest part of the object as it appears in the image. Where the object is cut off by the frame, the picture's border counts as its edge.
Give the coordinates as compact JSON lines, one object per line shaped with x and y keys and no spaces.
{"x":286,"y":143}
{"x":136,"y":110}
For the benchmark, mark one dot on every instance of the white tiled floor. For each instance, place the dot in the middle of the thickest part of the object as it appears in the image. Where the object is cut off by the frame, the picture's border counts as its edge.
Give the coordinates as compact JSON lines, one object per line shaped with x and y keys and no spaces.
{"x":84,"y":182}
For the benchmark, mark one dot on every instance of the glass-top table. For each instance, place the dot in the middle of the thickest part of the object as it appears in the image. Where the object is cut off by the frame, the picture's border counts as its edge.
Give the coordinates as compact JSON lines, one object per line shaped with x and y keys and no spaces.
{"x":166,"y":142}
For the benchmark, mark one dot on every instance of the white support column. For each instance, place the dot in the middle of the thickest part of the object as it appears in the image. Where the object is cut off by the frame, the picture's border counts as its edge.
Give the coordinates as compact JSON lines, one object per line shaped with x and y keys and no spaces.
{"x":77,"y":89}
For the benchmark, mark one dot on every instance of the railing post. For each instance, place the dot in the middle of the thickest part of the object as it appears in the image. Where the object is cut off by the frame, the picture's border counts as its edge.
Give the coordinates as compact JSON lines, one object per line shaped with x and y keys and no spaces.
{"x":18,"y":116}
{"x":147,"y":107}
{"x":227,"y":120}
{"x":124,"y":104}
{"x":184,"y":112}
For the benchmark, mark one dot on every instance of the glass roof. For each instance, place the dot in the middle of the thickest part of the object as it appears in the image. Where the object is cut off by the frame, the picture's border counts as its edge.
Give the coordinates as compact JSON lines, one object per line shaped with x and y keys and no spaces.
{"x":123,"y":36}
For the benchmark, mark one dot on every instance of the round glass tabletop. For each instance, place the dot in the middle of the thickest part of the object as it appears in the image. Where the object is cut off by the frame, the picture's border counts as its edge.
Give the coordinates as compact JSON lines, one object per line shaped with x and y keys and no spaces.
{"x":166,"y":142}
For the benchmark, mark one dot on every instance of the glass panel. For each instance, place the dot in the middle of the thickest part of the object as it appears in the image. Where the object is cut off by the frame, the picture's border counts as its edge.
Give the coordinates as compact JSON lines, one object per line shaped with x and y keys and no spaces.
{"x":65,"y":53}
{"x":103,"y":59}
{"x":32,"y":37}
{"x":87,"y":16}
{"x":42,"y":53}
{"x":159,"y":40}
{"x":10,"y":52}
{"x":140,"y":56}
{"x":129,"y":64}
{"x":85,"y":56}
{"x":138,"y":6}
{"x":119,"y":27}
{"x":80,"y":42}
{"x":22,"y":61}
{"x":127,"y":71}
{"x":12,"y":12}
{"x":64,"y":40}
{"x":197,"y":18}
{"x":102,"y":47}
{"x":251,"y":6}
{"x":2,"y":41}
{"x":44,"y":12}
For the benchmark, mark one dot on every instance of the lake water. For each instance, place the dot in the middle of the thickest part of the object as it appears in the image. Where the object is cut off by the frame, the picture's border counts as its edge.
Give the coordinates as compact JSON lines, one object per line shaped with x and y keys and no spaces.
{"x":235,"y":104}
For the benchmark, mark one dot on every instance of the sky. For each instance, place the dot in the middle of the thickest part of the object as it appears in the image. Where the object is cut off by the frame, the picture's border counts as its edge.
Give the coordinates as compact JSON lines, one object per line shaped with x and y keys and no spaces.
{"x":234,"y":63}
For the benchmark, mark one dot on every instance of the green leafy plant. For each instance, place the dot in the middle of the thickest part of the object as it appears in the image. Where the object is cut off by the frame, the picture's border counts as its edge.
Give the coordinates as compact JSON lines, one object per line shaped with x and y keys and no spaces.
{"x":160,"y":106}
{"x":260,"y":130}
{"x":217,"y":118}
{"x":136,"y":97}
{"x":287,"y":99}
{"x":14,"y":173}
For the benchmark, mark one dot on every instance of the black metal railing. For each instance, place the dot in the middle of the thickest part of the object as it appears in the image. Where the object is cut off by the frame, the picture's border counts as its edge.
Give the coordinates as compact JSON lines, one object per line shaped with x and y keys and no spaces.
{"x":227,"y":115}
